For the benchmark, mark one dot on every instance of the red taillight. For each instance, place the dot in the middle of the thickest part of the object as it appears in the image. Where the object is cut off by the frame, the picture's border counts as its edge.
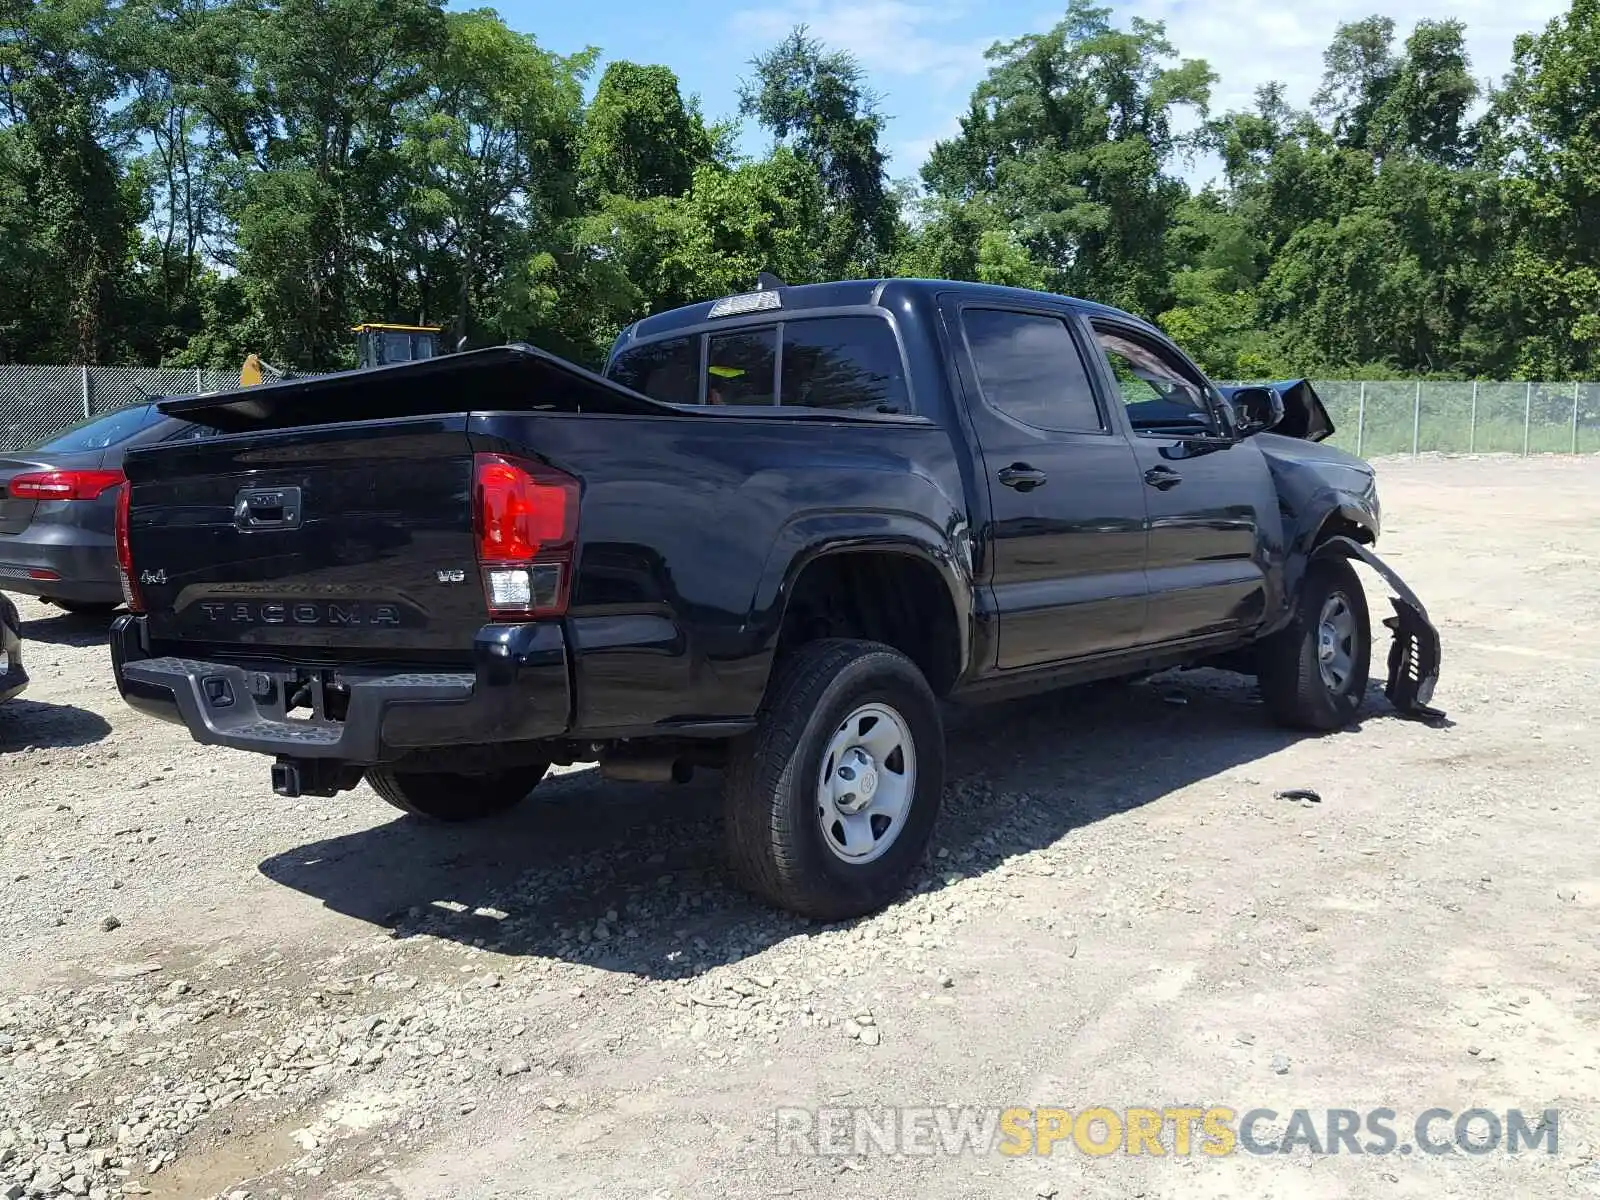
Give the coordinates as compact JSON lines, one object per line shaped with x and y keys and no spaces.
{"x":130,"y":588}
{"x":63,"y":485}
{"x":526,"y":515}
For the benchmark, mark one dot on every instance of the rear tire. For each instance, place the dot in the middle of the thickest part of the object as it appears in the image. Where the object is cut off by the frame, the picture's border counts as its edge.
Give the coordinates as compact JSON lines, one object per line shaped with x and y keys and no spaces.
{"x":831,"y":801}
{"x":453,"y":798}
{"x":1313,"y":674}
{"x":88,"y":608}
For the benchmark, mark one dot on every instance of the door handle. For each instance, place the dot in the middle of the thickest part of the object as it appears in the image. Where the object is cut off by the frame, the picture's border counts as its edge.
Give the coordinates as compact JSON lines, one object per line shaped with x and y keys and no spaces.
{"x":1022,"y":477}
{"x":1162,"y":478}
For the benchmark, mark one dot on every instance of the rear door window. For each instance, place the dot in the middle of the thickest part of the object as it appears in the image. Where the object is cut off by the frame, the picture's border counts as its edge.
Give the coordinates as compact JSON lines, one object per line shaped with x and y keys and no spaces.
{"x":668,"y":371}
{"x":851,"y":363}
{"x":843,"y":362}
{"x":1030,"y":369}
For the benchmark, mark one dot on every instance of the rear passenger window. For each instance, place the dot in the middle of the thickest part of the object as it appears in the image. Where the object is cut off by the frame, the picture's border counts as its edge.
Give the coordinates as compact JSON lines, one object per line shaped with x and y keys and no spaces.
{"x":850,"y":363}
{"x":843,"y":362}
{"x":741,"y":366}
{"x":668,"y":370}
{"x":1029,"y":368}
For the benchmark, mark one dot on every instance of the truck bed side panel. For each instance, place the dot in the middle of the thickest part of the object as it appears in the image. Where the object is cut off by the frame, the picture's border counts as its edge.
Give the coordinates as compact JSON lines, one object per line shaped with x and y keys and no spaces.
{"x":685,"y":518}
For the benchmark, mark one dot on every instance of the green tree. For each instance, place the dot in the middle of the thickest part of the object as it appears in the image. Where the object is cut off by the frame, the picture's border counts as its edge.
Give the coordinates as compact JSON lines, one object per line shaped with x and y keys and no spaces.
{"x":1543,"y":136}
{"x":1071,"y":137}
{"x":486,"y":178}
{"x":641,"y":139}
{"x":969,"y":239}
{"x":155,"y":42}
{"x":1218,"y":263}
{"x":1425,"y":111}
{"x":643,"y":147}
{"x":1360,"y":72}
{"x":309,"y":99}
{"x":761,"y":216}
{"x":189,"y":180}
{"x":67,"y":225}
{"x":816,"y":101}
{"x":1247,"y":141}
{"x":1369,"y":240}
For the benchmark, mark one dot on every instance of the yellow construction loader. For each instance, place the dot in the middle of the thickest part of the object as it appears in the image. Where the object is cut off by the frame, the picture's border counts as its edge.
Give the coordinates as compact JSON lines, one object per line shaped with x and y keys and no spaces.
{"x":377,"y":345}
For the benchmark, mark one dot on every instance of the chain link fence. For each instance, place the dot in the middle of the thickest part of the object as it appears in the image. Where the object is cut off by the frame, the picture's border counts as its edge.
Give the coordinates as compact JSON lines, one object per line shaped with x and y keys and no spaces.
{"x":1372,"y":418}
{"x":1463,"y":418}
{"x":36,"y":402}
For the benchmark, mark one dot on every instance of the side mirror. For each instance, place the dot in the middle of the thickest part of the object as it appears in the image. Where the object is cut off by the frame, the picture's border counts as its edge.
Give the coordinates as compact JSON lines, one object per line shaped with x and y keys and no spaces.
{"x":1256,"y":409}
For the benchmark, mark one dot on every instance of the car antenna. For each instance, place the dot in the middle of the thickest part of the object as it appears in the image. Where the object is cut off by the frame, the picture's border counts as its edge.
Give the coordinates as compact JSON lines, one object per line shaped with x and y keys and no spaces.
{"x":767,"y":282}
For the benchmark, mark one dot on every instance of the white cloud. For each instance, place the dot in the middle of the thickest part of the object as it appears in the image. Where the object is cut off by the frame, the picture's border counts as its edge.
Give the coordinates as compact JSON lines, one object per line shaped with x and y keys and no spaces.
{"x":888,"y":37}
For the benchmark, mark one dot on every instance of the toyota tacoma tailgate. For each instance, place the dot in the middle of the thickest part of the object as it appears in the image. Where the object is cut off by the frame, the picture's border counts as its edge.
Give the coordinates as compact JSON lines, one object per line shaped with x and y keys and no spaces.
{"x":355,"y":538}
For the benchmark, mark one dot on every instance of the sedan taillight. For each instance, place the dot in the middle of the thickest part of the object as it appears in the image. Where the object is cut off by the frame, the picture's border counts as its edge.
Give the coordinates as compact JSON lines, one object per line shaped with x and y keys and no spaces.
{"x":63,"y":485}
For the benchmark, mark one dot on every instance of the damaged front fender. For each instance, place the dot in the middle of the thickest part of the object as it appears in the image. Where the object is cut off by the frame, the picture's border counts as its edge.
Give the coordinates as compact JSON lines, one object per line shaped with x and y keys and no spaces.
{"x":1414,"y":654}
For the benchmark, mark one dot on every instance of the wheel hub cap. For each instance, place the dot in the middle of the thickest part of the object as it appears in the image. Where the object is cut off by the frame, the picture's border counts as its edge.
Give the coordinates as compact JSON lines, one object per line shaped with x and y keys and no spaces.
{"x":867,"y":781}
{"x":855,"y":780}
{"x":1336,"y":642}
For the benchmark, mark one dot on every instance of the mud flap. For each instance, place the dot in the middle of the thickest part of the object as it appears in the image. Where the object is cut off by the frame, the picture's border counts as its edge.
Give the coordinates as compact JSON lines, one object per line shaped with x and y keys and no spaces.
{"x":1414,"y":654}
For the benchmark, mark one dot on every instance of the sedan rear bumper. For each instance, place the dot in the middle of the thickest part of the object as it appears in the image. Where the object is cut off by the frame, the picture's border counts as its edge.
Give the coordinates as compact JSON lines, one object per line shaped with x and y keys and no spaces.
{"x":60,"y":562}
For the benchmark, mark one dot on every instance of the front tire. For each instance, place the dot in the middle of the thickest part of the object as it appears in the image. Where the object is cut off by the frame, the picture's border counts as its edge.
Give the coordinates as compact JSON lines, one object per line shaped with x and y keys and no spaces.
{"x":831,"y":801}
{"x":453,"y":798}
{"x":1313,"y":674}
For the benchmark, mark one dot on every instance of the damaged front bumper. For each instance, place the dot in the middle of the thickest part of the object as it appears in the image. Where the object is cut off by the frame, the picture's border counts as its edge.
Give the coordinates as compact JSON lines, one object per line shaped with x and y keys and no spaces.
{"x":1414,"y":653}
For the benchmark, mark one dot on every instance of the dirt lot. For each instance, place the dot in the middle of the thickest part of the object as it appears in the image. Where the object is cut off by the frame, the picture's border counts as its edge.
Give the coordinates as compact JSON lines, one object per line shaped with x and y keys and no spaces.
{"x":318,"y":999}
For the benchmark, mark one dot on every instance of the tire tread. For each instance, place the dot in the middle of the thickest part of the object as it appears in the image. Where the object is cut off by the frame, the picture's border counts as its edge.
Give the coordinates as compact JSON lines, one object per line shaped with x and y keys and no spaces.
{"x":764,"y":843}
{"x":1291,"y":683}
{"x":415,"y":793}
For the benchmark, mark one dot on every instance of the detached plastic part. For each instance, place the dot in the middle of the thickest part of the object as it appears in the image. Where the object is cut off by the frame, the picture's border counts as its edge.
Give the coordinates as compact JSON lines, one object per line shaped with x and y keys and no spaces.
{"x":1415,"y":652}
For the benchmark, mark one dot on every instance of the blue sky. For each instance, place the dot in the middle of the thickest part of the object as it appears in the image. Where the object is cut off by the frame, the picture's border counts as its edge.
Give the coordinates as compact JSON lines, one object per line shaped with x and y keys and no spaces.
{"x":924,"y":56}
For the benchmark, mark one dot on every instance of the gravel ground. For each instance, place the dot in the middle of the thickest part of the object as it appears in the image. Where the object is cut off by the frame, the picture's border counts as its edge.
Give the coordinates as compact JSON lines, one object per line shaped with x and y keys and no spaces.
{"x":206,"y":991}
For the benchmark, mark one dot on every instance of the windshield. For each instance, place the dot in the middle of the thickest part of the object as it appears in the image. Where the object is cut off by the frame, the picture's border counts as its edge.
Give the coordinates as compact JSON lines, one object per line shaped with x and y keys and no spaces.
{"x":108,"y":429}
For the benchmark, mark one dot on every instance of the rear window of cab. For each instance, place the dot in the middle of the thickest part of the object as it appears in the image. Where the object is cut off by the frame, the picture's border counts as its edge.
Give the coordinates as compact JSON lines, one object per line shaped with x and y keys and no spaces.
{"x":847,"y":362}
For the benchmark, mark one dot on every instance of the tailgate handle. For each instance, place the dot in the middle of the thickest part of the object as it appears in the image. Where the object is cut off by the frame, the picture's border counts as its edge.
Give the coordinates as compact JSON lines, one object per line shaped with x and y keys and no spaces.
{"x":267,"y":508}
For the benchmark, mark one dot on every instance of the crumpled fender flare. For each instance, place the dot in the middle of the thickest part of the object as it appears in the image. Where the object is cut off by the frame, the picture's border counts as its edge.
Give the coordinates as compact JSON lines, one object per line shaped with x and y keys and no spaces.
{"x":1415,"y":653}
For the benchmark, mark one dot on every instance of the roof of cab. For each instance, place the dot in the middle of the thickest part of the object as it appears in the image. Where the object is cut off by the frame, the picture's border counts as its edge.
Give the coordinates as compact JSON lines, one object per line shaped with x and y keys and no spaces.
{"x":809,"y":297}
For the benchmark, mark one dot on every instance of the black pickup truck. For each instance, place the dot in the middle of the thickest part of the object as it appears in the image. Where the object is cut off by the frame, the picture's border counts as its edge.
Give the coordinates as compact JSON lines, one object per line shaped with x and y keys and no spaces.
{"x":770,"y":539}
